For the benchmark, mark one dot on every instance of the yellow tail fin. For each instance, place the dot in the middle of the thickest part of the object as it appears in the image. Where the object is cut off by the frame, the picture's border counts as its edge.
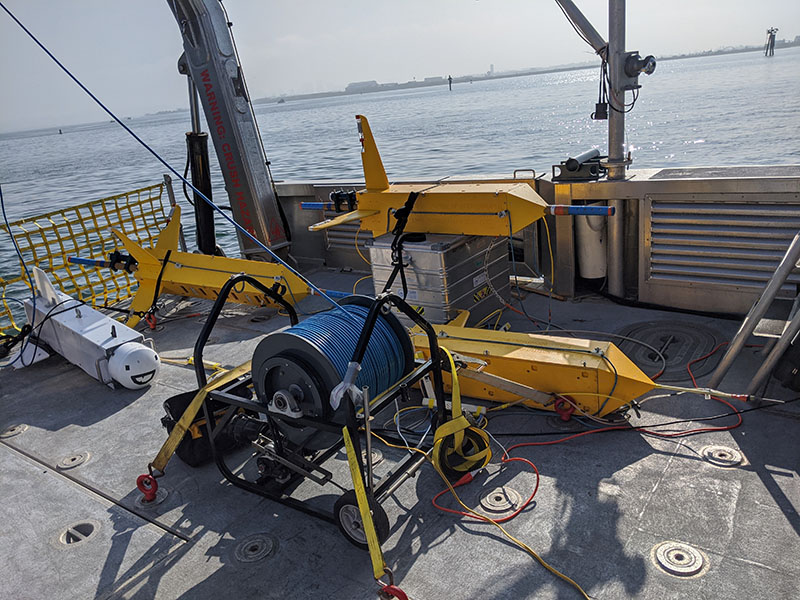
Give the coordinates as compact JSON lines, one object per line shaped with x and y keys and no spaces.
{"x":374,"y":173}
{"x":168,"y":237}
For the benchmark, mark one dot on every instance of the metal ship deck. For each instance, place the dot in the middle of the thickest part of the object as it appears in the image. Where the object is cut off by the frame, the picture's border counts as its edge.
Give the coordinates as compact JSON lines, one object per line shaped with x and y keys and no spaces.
{"x":75,"y":524}
{"x":604,"y":503}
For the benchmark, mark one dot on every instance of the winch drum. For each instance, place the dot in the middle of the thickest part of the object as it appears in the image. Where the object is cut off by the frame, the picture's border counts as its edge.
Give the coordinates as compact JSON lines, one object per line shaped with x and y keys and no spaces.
{"x":293,"y":377}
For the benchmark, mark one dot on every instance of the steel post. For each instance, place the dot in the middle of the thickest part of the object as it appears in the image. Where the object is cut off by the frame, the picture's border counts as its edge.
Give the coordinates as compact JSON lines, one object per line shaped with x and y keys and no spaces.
{"x":368,"y":432}
{"x":616,"y":66}
{"x":197,"y":149}
{"x":194,"y":107}
{"x":616,"y":142}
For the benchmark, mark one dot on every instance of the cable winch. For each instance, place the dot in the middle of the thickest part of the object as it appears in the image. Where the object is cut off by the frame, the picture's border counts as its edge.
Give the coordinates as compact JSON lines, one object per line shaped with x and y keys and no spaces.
{"x":307,"y":393}
{"x":296,"y":369}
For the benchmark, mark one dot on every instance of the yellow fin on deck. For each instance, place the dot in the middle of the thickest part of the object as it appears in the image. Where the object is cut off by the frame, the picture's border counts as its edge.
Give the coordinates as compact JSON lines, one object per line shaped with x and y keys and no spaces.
{"x":460,"y":320}
{"x":168,"y":237}
{"x":342,"y":219}
{"x":142,"y":255}
{"x":374,"y":173}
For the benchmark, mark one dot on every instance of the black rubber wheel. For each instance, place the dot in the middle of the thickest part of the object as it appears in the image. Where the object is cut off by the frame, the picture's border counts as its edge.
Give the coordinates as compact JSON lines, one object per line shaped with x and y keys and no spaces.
{"x":473,"y":444}
{"x":348,"y":518}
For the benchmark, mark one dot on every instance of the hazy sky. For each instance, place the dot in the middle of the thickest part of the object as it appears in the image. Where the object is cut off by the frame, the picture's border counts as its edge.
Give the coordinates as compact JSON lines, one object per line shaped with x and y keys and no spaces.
{"x":126,"y":51}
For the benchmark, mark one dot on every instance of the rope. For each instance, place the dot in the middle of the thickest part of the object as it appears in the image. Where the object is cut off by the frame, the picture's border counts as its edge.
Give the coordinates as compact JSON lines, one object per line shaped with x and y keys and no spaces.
{"x":30,"y":282}
{"x":166,"y":164}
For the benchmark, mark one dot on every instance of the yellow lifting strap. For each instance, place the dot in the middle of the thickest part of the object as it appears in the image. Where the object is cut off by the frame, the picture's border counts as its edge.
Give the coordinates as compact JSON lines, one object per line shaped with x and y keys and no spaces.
{"x":374,"y":546}
{"x":456,"y":427}
{"x":185,"y":422}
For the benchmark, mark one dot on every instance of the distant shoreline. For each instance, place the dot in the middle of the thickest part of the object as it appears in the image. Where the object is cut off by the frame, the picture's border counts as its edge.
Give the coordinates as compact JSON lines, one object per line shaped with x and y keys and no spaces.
{"x":428,"y":82}
{"x":438,"y":81}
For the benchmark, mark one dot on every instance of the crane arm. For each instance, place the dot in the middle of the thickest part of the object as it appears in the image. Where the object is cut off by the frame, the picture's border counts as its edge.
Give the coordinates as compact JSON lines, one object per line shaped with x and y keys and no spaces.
{"x":214,"y":67}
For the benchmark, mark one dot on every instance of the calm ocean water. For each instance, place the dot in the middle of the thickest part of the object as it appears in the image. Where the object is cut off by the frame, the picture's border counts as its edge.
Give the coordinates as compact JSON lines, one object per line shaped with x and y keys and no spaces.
{"x":719,"y":110}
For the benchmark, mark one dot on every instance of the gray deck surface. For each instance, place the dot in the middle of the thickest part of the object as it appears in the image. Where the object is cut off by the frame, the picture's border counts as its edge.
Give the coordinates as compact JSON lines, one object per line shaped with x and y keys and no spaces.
{"x":605,"y":501}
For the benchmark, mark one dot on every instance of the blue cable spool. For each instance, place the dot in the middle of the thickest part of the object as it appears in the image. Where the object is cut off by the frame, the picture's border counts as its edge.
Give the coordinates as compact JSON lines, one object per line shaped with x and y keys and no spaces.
{"x":295,"y":369}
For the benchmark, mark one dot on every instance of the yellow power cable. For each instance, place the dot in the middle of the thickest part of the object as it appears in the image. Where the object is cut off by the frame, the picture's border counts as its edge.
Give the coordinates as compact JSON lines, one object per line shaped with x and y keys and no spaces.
{"x":457,"y":414}
{"x":572,"y":394}
{"x":355,"y":285}
{"x":497,"y":322}
{"x":489,"y":316}
{"x":486,"y":519}
{"x":359,"y":249}
{"x":515,"y":403}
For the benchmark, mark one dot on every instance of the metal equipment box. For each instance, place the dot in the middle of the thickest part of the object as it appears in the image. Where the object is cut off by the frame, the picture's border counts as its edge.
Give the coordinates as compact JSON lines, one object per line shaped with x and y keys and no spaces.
{"x":446,"y":273}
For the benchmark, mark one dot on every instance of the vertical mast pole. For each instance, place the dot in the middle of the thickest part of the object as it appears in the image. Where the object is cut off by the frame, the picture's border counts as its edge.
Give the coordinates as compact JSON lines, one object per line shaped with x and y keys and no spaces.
{"x":616,"y":141}
{"x":194,"y":108}
{"x":197,"y":147}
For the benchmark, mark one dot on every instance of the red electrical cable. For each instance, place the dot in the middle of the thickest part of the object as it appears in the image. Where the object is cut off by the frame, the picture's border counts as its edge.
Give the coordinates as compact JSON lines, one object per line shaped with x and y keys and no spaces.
{"x":469,"y":477}
{"x":694,"y":383}
{"x":506,"y":458}
{"x":649,"y":431}
{"x":519,"y":312}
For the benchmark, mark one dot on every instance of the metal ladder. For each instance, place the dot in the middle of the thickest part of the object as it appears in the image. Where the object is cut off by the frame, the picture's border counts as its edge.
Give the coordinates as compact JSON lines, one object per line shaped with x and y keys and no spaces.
{"x":754,"y":318}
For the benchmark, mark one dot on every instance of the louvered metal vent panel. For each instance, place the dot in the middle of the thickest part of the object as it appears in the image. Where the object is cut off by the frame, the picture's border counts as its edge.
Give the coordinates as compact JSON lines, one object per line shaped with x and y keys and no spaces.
{"x":723,"y":242}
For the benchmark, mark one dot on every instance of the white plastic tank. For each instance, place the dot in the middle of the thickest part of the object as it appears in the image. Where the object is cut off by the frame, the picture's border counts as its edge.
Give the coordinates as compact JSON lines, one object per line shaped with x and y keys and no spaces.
{"x":591,"y":242}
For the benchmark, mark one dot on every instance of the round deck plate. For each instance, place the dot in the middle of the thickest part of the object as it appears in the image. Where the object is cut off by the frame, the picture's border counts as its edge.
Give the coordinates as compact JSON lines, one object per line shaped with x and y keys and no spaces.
{"x":722,"y":456}
{"x":377,"y":456}
{"x":14,"y":430}
{"x":77,"y":533}
{"x":559,"y":424}
{"x":161,"y":495}
{"x":500,"y":501}
{"x":75,"y":460}
{"x":679,"y":559}
{"x":255,"y":547}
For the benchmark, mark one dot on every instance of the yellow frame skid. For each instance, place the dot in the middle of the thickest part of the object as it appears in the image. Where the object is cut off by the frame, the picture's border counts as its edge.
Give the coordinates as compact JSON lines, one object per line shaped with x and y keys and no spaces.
{"x":199,"y":275}
{"x":489,"y":207}
{"x":578,"y":368}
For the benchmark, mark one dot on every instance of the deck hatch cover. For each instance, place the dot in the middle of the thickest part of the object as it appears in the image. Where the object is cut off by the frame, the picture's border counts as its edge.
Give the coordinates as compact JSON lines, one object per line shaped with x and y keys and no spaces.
{"x":680,"y":559}
{"x":679,"y":342}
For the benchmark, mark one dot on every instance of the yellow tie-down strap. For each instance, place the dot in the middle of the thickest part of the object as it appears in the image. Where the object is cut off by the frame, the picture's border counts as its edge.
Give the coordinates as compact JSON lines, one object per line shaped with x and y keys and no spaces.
{"x":185,"y":422}
{"x":456,"y":427}
{"x":374,"y":546}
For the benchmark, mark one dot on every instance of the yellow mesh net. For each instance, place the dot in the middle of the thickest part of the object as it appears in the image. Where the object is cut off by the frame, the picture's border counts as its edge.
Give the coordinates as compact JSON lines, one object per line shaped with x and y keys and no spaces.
{"x":47,"y":241}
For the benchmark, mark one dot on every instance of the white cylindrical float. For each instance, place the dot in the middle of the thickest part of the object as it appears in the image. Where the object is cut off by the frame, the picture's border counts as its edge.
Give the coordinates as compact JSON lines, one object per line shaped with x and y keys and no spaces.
{"x":591,"y":242}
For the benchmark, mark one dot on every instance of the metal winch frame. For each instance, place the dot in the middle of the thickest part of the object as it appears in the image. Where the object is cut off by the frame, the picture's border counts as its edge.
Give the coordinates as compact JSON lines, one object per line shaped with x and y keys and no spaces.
{"x":228,"y":410}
